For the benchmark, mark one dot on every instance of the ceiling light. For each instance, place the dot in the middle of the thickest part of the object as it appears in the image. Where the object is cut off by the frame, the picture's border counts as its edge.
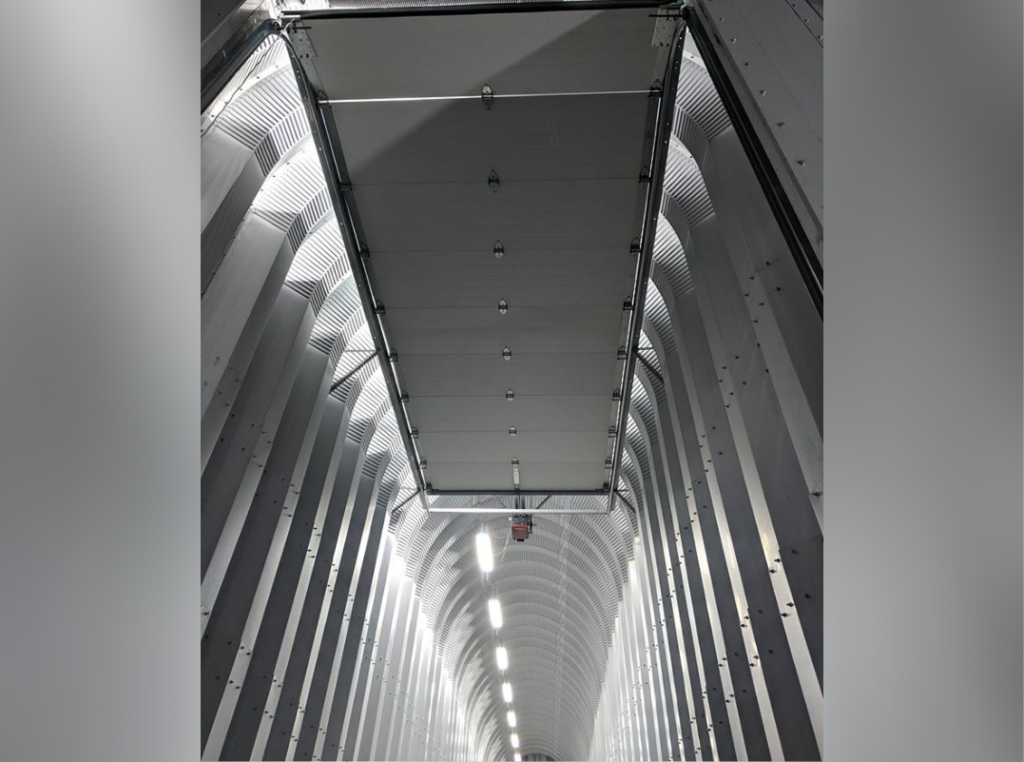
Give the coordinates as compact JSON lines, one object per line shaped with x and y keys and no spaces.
{"x":502,"y":306}
{"x":511,"y":717}
{"x":494,"y":610}
{"x":501,"y":655}
{"x":484,"y":553}
{"x":517,"y":757}
{"x":507,"y":354}
{"x":515,"y":740}
{"x":506,"y":692}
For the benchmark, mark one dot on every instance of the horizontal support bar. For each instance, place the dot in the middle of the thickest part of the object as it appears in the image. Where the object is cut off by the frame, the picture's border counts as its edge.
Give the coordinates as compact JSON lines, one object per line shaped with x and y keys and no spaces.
{"x":511,"y":511}
{"x":488,"y":492}
{"x":495,"y":97}
{"x":542,"y":6}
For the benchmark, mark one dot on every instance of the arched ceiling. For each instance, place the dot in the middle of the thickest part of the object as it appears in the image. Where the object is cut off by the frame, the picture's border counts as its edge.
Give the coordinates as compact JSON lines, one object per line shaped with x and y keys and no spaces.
{"x":559,"y":592}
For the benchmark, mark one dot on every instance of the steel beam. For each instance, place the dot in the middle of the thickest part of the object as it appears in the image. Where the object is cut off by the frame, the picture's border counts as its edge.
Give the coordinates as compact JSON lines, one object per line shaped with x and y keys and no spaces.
{"x":662,"y":137}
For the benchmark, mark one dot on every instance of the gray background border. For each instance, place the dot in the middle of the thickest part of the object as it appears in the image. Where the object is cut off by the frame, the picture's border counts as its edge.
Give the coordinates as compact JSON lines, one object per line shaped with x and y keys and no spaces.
{"x":99,"y":333}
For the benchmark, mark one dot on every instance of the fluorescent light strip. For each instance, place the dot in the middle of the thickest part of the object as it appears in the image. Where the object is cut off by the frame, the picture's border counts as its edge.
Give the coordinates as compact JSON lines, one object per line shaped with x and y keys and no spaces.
{"x":515,"y":740}
{"x":511,"y":717}
{"x":501,"y":656}
{"x":484,"y":553}
{"x":506,"y":692}
{"x":494,"y":610}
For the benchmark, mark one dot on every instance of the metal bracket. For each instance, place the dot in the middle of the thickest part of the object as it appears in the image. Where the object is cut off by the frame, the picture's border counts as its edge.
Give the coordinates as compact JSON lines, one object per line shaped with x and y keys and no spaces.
{"x":352,"y":372}
{"x":487,"y":96}
{"x":664,"y":27}
{"x":405,"y":502}
{"x":650,"y":368}
{"x":300,"y":41}
{"x":493,"y":181}
{"x":622,"y":497}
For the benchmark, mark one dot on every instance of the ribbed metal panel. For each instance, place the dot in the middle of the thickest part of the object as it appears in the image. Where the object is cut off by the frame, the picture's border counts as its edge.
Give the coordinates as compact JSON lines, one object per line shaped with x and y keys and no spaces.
{"x":697,"y":98}
{"x":335,"y":274}
{"x":282,"y":139}
{"x":332,"y":317}
{"x":685,"y":183}
{"x":353,"y":385}
{"x":290,"y":189}
{"x":354,"y":345}
{"x":383,"y":445}
{"x":320,"y":259}
{"x":648,"y":351}
{"x":258,"y":108}
{"x":632,"y":477}
{"x":644,"y":407}
{"x":371,"y":405}
{"x":656,"y":316}
{"x":670,"y":259}
{"x":637,"y":442}
{"x":264,"y":56}
{"x":316,"y":211}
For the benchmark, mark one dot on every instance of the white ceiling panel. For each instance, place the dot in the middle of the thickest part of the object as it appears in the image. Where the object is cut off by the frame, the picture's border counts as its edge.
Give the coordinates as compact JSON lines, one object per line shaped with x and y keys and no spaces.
{"x":567,"y":138}
{"x":487,"y":375}
{"x":553,"y":330}
{"x":577,"y":51}
{"x":493,"y":413}
{"x":524,"y":278}
{"x":572,"y":137}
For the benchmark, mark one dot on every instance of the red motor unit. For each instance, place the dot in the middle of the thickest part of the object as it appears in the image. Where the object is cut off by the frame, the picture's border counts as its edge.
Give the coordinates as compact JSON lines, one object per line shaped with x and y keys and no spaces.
{"x":522,"y":527}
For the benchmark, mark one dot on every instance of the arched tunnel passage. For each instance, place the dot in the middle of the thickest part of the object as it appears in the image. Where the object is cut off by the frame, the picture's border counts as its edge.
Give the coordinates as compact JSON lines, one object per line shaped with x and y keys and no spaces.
{"x":415,"y":547}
